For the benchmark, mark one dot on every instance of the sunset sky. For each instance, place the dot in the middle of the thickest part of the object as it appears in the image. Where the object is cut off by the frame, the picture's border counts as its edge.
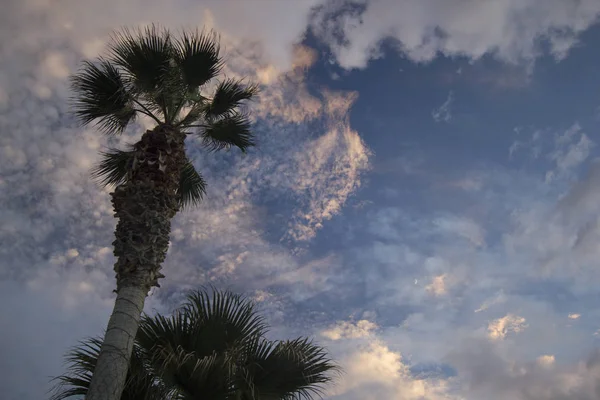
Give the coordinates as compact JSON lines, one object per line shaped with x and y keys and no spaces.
{"x":424,"y":199}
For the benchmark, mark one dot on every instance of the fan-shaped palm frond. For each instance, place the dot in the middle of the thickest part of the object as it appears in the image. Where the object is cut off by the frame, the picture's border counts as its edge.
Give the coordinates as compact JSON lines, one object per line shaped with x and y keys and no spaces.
{"x":147,"y":58}
{"x":193,"y":377}
{"x":192,"y":186}
{"x":144,"y":55}
{"x":228,"y":97}
{"x":282,"y":370}
{"x":197,"y":55}
{"x":231,"y":315}
{"x":233,"y":130}
{"x":141,"y":383}
{"x":199,"y":346}
{"x":101,"y":95}
{"x":205,"y":324}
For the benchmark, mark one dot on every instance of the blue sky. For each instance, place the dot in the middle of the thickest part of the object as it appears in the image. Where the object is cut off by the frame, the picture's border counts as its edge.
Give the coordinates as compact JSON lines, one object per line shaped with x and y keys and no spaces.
{"x":424,"y":200}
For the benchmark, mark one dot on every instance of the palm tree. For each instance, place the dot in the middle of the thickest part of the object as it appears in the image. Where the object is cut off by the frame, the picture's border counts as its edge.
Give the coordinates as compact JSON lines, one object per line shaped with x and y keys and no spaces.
{"x":213,"y":348}
{"x":149,"y":72}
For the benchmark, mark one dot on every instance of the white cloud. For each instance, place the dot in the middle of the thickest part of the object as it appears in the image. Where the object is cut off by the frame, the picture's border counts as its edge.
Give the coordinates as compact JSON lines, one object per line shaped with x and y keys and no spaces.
{"x":376,"y":372}
{"x":499,"y":328}
{"x":569,"y":152}
{"x":546,"y":360}
{"x":509,"y":30}
{"x":574,"y":316}
{"x":444,"y":113}
{"x":349,"y":330}
{"x":437,"y":287}
{"x":340,"y":150}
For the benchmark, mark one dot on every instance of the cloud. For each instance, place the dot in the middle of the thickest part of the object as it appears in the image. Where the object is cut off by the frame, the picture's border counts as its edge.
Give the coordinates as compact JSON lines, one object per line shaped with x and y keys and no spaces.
{"x":438,"y":285}
{"x":497,"y":299}
{"x":558,"y":235}
{"x":546,"y":360}
{"x":376,"y":372}
{"x":510,"y":31}
{"x":569,"y":152}
{"x":463,"y":227}
{"x":443,"y":113}
{"x":485,"y":372}
{"x":340,"y":150}
{"x":348,"y":330}
{"x":499,"y":328}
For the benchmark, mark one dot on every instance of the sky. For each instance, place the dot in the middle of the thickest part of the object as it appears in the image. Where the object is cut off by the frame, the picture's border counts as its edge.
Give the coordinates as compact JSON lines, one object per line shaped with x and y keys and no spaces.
{"x":424,"y":199}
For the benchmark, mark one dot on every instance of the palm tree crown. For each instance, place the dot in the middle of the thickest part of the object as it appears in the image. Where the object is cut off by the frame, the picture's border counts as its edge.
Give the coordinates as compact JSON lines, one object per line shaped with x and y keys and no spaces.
{"x":213,"y":348}
{"x":150,"y":72}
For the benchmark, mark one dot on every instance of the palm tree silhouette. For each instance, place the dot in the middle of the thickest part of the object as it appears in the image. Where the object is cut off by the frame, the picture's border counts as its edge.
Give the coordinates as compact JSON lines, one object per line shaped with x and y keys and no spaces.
{"x":149,"y":72}
{"x":213,"y":347}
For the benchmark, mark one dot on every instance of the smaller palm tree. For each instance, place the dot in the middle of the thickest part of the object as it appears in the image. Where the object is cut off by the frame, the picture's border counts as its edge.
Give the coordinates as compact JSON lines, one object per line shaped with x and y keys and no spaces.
{"x":213,"y":347}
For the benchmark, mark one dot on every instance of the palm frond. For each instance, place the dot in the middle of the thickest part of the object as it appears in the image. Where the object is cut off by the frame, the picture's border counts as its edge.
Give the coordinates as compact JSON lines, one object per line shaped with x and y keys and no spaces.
{"x":145,"y":55}
{"x":192,"y":186}
{"x":102,"y":96}
{"x":141,"y":384}
{"x":205,"y":324}
{"x":113,"y":167}
{"x":197,"y":55}
{"x":147,"y":59}
{"x":231,"y":317}
{"x":233,"y":130}
{"x":193,"y":376}
{"x":179,"y":351}
{"x":293,"y":369}
{"x":228,"y":96}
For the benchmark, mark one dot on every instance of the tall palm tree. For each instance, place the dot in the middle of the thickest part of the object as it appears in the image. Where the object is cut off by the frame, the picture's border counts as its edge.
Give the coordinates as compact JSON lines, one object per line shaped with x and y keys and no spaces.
{"x":149,"y":72}
{"x":212,"y":348}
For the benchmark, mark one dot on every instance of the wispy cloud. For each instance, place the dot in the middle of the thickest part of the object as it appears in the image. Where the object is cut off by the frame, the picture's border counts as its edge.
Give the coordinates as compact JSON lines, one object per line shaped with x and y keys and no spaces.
{"x":444,"y":113}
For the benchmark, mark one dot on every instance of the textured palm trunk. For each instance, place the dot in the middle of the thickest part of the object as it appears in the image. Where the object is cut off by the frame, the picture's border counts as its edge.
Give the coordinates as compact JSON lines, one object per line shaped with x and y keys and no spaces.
{"x":144,"y":205}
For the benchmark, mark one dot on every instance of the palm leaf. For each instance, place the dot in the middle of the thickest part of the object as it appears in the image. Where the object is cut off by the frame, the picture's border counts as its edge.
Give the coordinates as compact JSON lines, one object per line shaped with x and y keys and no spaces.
{"x":102,"y":96}
{"x":231,"y":317}
{"x":182,"y":355}
{"x":113,"y":167}
{"x":233,"y":130}
{"x":197,"y":55}
{"x":141,"y":383}
{"x":293,"y":369}
{"x":147,"y":59}
{"x":192,"y":186}
{"x":145,"y":56}
{"x":199,"y":348}
{"x":193,"y":377}
{"x":228,"y":96}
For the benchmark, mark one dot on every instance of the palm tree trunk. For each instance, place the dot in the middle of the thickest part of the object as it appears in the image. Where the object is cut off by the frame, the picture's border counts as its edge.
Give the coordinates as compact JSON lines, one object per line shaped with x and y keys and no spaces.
{"x":144,"y":205}
{"x":110,"y":373}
